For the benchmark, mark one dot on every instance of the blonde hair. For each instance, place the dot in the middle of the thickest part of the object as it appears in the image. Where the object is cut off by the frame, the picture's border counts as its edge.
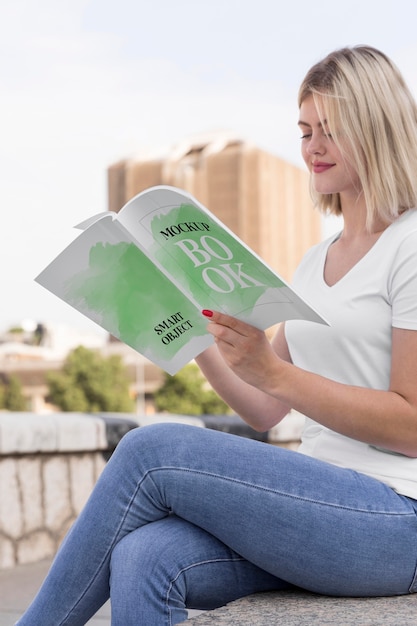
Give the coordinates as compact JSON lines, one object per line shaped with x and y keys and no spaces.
{"x":364,"y":98}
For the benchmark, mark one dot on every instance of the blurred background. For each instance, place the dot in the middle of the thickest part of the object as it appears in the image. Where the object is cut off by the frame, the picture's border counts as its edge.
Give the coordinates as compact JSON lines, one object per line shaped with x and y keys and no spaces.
{"x":86,"y":83}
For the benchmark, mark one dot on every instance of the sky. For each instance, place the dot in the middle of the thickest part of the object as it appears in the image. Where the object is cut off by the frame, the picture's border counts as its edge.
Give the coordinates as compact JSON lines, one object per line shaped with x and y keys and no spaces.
{"x":85,"y":83}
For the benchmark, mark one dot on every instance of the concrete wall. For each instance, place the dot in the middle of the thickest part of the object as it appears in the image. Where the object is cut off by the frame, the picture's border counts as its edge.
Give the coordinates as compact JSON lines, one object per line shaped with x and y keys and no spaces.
{"x":48,"y":467}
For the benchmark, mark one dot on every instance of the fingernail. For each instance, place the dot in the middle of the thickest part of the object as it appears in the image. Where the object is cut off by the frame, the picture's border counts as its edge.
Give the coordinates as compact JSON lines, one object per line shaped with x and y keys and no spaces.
{"x":207,"y":312}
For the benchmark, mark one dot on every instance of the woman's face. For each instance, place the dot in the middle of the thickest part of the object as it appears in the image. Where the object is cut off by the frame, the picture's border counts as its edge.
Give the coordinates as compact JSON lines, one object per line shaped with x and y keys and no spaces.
{"x":330,"y":171}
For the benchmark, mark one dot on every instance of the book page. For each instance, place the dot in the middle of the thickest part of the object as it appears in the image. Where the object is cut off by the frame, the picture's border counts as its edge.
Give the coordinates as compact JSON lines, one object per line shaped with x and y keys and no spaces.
{"x":108,"y":278}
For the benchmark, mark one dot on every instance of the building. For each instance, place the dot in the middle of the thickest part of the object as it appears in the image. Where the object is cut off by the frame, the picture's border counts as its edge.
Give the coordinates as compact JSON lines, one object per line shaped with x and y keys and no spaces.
{"x":262,"y":198}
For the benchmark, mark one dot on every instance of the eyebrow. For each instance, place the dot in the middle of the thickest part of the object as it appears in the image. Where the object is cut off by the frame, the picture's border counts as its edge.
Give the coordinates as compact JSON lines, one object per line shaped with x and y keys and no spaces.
{"x":301,"y":123}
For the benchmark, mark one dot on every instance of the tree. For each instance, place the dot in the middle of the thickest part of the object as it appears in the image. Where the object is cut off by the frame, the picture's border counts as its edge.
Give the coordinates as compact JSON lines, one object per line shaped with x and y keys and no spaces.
{"x":90,"y":383}
{"x":187,"y":393}
{"x":11,"y":396}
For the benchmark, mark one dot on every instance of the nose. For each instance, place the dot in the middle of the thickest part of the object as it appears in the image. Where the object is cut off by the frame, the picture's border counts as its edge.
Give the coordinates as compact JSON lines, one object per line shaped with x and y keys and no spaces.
{"x":316,"y":144}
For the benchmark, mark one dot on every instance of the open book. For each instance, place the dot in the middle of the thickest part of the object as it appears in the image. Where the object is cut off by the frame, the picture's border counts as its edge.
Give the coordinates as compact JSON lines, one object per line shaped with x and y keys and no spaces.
{"x":144,"y":275}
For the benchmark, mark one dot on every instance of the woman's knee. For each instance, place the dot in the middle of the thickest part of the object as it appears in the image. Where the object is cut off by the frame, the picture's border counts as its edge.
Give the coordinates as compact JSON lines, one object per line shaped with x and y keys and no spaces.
{"x":155,"y":435}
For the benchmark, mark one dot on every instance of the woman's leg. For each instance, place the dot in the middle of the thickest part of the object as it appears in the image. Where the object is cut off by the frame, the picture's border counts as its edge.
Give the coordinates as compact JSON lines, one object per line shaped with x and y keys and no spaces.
{"x":163,"y":568}
{"x":317,"y":526}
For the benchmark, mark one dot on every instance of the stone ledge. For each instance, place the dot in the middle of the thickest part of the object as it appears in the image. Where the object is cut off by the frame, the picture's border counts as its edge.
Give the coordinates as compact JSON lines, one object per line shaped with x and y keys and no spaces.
{"x":29,"y":433}
{"x":294,"y":608}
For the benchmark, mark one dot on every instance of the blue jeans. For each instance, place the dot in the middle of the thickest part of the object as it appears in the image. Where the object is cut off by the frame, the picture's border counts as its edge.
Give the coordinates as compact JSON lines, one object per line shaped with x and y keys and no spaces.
{"x":187,"y":517}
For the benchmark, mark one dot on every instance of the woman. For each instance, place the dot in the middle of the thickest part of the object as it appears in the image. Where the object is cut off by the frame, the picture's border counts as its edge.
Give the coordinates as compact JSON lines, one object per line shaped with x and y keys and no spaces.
{"x":187,"y":517}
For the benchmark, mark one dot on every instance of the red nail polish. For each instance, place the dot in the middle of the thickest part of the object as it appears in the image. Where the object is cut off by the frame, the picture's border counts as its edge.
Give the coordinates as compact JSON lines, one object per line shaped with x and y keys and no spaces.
{"x":207,"y":312}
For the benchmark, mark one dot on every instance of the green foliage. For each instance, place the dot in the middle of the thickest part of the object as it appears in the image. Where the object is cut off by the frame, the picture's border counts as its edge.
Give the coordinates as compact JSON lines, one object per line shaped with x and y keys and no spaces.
{"x":11,"y":396}
{"x":90,"y":383}
{"x":187,"y":393}
{"x":15,"y":330}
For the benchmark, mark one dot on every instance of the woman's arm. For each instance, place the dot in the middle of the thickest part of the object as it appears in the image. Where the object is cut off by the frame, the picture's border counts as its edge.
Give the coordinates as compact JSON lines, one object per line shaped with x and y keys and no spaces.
{"x":259,"y":409}
{"x":382,"y":418}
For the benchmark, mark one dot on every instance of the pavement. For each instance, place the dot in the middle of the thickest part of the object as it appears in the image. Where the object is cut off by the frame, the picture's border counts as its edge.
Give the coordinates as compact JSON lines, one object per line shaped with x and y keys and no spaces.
{"x":19,"y":585}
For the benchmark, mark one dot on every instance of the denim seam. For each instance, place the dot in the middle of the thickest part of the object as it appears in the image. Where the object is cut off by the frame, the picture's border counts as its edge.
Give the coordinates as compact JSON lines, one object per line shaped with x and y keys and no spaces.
{"x":106,"y":554}
{"x":185,"y":569}
{"x":413,"y":587}
{"x":276,"y":491}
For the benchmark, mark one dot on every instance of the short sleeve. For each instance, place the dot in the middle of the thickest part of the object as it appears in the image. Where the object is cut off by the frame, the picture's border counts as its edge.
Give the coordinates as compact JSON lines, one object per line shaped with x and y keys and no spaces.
{"x":403,"y":284}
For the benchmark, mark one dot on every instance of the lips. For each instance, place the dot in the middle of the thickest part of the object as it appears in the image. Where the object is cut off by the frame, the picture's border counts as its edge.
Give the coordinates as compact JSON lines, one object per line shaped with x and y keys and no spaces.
{"x":318,"y":167}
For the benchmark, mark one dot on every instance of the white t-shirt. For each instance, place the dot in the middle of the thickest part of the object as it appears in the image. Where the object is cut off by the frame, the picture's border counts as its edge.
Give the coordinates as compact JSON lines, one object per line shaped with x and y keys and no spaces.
{"x":379,"y":292}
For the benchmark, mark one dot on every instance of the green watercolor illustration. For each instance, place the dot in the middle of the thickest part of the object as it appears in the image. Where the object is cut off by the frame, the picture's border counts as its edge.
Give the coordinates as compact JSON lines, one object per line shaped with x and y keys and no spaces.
{"x":126,"y":294}
{"x":219,"y":275}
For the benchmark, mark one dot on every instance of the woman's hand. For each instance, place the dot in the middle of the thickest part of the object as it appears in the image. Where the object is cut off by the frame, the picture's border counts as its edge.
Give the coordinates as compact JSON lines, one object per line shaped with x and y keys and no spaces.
{"x":238,"y":374}
{"x":245,"y":349}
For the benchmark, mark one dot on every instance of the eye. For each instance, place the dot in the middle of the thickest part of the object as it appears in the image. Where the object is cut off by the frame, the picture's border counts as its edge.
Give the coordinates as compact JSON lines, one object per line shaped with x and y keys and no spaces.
{"x":306,"y":136}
